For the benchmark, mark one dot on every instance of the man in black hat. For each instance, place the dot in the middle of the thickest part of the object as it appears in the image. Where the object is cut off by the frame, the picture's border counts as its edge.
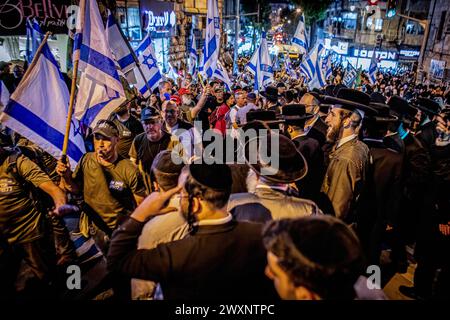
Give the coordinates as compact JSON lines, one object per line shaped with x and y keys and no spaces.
{"x":221,"y":259}
{"x":426,"y":132}
{"x":110,"y":184}
{"x":349,"y":158}
{"x":271,"y":95}
{"x":270,"y":198}
{"x":295,"y":116}
{"x":315,"y":127}
{"x":380,"y":199}
{"x":316,"y":258}
{"x":416,"y":173}
{"x":148,"y":144}
{"x":129,"y":127}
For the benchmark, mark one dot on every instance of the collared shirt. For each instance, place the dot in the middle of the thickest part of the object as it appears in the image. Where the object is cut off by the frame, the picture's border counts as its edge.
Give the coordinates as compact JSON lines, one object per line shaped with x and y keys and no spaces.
{"x":215,"y":222}
{"x":299,"y":135}
{"x":345,"y":140}
{"x":283,"y":188}
{"x":172,"y":130}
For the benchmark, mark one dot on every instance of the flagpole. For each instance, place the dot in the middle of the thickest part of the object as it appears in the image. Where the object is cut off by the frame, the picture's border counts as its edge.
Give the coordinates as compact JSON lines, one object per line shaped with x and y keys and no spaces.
{"x":70,"y":112}
{"x":38,"y":51}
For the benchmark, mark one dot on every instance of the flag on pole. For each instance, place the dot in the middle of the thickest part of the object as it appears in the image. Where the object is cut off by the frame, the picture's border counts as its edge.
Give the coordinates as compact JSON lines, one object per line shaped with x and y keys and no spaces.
{"x":121,"y":51}
{"x":288,"y":66}
{"x":312,"y":67}
{"x":38,"y":109}
{"x":34,"y":38}
{"x":149,"y":66}
{"x":300,"y":40}
{"x":212,"y":39}
{"x":260,"y":65}
{"x":193,"y":57}
{"x":100,"y":90}
{"x":222,"y":74}
{"x":373,"y":69}
{"x":4,"y":95}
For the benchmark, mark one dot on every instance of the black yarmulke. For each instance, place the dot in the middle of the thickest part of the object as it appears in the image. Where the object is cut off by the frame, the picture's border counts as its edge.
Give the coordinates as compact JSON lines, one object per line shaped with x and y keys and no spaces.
{"x":214,"y":176}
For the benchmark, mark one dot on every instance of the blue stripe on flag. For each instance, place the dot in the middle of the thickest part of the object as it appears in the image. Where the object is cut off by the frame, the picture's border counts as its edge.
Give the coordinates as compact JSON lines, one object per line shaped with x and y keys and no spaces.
{"x":40,"y":127}
{"x":156,"y":77}
{"x":126,"y":61}
{"x":299,"y":42}
{"x":48,"y":54}
{"x":99,"y":61}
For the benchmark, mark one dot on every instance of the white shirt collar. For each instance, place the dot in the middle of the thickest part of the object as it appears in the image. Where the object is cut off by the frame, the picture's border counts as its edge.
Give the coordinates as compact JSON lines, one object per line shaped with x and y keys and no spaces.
{"x":345,"y":140}
{"x":171,"y":130}
{"x":265,"y":186}
{"x":214,"y":222}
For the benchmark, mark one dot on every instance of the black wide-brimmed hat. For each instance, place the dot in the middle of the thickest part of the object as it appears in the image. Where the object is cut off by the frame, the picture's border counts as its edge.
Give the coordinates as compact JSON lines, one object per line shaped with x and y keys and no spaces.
{"x":270,"y":93}
{"x":402,"y":108}
{"x":377,"y":97}
{"x":295,"y":114}
{"x":291,"y":167}
{"x":255,"y":117}
{"x":329,"y":90}
{"x":426,"y":105}
{"x":351,"y":99}
{"x":337,"y":88}
{"x":384,"y":113}
{"x":214,"y":176}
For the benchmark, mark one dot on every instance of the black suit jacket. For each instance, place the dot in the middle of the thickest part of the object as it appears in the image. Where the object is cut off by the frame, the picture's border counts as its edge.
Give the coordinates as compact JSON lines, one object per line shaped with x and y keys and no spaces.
{"x":319,"y":131}
{"x":220,"y":262}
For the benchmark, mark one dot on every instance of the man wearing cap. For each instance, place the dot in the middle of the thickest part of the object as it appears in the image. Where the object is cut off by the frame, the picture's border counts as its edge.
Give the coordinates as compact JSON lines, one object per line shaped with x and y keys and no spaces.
{"x":148,"y":144}
{"x":271,"y":199}
{"x":316,"y":258}
{"x":187,"y":103}
{"x":129,"y":127}
{"x":349,"y":158}
{"x":221,"y":259}
{"x":295,"y":116}
{"x":271,"y":95}
{"x":110,"y":184}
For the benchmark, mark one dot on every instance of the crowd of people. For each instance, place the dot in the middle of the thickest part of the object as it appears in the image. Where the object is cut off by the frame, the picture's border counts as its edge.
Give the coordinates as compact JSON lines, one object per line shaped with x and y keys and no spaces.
{"x":361,"y":172}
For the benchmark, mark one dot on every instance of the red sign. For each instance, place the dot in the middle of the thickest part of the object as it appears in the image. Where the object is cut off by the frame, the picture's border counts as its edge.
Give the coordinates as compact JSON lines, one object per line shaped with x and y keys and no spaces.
{"x":372,"y":2}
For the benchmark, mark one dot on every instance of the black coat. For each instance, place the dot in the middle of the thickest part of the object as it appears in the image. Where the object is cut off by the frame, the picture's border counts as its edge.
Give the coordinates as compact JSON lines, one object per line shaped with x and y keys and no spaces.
{"x":219,"y":262}
{"x":427,"y":135}
{"x":319,"y":131}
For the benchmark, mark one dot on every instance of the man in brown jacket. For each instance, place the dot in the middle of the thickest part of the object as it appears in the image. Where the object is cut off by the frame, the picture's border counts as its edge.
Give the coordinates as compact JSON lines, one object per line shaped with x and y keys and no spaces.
{"x":349,"y":158}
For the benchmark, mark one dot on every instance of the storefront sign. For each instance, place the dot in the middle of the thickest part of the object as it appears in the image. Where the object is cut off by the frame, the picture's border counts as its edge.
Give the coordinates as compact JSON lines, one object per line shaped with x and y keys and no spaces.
{"x":52,"y":15}
{"x":380,"y":55}
{"x":161,"y":23}
{"x":408,"y":54}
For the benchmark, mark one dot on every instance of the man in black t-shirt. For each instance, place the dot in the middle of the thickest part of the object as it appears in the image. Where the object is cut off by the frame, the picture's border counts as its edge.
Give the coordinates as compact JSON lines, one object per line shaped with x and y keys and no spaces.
{"x":148,"y":144}
{"x":129,"y":127}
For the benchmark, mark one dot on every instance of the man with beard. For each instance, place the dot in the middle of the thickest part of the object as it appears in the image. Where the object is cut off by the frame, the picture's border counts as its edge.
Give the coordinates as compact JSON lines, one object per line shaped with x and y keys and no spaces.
{"x":187,"y":103}
{"x":111,"y":185}
{"x":129,"y":127}
{"x":427,"y":133}
{"x":220,"y":259}
{"x":349,"y":158}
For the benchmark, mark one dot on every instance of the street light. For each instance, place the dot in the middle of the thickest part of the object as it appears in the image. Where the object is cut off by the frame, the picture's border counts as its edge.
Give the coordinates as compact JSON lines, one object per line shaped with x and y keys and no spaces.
{"x":298,"y":10}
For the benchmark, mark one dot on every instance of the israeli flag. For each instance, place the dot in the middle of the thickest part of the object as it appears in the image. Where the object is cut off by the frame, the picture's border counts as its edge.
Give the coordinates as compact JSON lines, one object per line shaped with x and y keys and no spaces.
{"x":119,"y":47}
{"x":100,"y":86}
{"x":373,"y":69}
{"x":311,"y":66}
{"x":350,"y":76}
{"x":212,"y":40}
{"x":4,"y":95}
{"x":38,"y":109}
{"x":260,"y":65}
{"x":34,"y":38}
{"x":149,"y":66}
{"x":222,"y":74}
{"x":288,"y":66}
{"x":300,"y":40}
{"x":193,"y":56}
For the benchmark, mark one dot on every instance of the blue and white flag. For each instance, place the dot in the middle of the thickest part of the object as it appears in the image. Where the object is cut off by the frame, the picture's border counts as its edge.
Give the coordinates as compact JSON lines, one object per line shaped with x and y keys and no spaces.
{"x":149,"y":66}
{"x":100,"y":90}
{"x":38,"y":109}
{"x":193,"y":57}
{"x":300,"y":39}
{"x":119,"y":48}
{"x":212,"y":40}
{"x":350,"y":76}
{"x":4,"y":95}
{"x":373,"y":69}
{"x":260,"y":65}
{"x":312,"y":67}
{"x":34,"y":38}
{"x":288,"y":66}
{"x":222,"y":74}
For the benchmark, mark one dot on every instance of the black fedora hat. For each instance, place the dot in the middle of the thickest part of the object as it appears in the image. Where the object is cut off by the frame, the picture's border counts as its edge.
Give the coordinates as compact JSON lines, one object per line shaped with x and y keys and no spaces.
{"x":255,"y":117}
{"x":351,"y":99}
{"x":337,"y":88}
{"x":291,"y":167}
{"x":384,"y":113}
{"x":271,"y":93}
{"x":377,"y":97}
{"x":426,"y":105}
{"x":402,"y":108}
{"x":329,"y":89}
{"x":295,"y":114}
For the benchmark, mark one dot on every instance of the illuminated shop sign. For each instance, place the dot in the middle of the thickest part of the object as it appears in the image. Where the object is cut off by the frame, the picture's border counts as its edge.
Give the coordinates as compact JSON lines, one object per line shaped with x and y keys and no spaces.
{"x":161,"y":23}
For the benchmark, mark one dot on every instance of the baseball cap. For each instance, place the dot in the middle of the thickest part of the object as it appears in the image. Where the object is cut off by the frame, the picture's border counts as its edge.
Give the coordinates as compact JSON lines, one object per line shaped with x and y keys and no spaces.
{"x":106,"y":128}
{"x":149,"y":113}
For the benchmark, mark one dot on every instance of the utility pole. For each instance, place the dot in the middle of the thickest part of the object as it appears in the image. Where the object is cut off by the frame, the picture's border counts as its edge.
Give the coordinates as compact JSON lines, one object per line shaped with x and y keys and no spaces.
{"x":236,"y":38}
